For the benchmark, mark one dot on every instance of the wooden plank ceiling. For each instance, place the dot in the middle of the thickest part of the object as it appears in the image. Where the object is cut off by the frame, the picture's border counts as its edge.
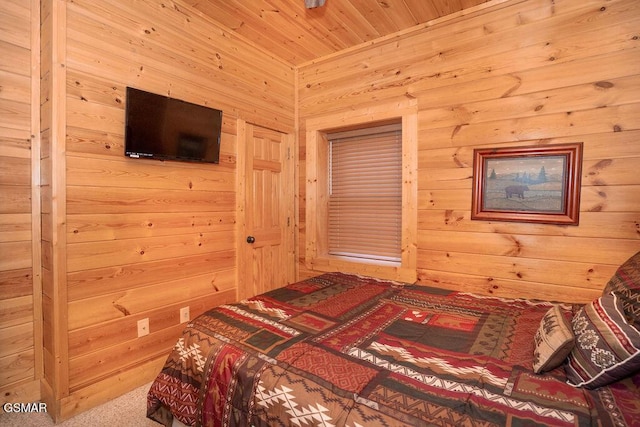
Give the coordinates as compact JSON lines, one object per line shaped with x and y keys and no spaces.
{"x":297,"y":35}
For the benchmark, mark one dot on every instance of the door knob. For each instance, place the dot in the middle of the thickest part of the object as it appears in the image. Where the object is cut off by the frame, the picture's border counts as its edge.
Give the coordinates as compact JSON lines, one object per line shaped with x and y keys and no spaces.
{"x":251,"y":239}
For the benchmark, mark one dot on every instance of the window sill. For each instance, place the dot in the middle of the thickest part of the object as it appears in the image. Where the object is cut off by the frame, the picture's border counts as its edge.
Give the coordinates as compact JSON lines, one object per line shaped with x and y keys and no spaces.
{"x":375,"y":268}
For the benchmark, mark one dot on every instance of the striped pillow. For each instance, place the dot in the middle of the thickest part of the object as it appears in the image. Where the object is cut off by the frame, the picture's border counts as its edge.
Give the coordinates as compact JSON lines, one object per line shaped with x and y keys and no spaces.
{"x":553,"y":341}
{"x":626,"y":284}
{"x":607,"y":347}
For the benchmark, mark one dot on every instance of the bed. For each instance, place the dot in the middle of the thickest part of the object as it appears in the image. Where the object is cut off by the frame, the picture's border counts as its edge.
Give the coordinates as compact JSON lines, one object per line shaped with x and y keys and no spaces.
{"x":347,"y":350}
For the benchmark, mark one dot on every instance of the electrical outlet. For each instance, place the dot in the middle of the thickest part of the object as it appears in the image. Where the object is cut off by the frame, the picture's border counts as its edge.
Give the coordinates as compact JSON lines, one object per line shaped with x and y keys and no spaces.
{"x":184,"y":314}
{"x":143,"y":327}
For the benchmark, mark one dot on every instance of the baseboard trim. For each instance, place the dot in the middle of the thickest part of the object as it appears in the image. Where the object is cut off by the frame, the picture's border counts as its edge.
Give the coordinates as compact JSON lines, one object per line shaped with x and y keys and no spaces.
{"x":103,"y":391}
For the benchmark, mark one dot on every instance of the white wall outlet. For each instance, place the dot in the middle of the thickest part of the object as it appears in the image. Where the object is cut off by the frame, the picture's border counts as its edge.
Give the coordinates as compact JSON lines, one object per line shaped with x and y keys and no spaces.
{"x":184,"y":314}
{"x":143,"y":327}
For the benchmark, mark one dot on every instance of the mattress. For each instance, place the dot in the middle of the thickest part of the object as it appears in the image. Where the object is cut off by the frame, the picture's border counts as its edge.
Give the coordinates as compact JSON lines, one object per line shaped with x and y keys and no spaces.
{"x":348,"y":350}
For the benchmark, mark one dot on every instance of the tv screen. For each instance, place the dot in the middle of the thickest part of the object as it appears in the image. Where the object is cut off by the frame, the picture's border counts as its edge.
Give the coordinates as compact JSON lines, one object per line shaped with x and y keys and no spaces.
{"x":160,"y":127}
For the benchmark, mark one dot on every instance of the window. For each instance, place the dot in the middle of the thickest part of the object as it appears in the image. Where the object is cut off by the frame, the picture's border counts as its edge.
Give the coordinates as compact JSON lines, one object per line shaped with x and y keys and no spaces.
{"x":365,"y":193}
{"x":324,"y":230}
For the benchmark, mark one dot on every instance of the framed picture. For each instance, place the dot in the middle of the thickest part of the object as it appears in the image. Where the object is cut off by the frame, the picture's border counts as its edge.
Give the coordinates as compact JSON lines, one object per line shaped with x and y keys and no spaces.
{"x":528,"y":184}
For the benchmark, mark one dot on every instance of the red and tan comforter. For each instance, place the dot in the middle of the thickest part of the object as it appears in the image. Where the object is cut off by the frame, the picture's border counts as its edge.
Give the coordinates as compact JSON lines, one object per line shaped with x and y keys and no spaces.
{"x":345,"y":350}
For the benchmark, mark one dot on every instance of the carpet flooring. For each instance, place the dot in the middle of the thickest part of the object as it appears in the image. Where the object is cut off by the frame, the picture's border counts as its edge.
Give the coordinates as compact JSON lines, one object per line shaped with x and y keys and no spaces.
{"x":128,"y":410}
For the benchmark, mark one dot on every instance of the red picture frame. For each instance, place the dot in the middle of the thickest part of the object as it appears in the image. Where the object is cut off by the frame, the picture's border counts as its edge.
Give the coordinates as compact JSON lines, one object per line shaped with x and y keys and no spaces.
{"x":539,"y":184}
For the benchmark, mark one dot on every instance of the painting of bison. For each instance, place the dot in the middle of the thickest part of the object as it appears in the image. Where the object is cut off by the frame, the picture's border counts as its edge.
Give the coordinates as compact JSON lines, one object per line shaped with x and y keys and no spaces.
{"x":517,"y":190}
{"x":527,"y":182}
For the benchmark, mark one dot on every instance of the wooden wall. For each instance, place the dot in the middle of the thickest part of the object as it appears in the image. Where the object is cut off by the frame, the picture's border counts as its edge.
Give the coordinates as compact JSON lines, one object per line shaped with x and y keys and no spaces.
{"x":20,"y":333}
{"x":128,"y":239}
{"x":517,"y":73}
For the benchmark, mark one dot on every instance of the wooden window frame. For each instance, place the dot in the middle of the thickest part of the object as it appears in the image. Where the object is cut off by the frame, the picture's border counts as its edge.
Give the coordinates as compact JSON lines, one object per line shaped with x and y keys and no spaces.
{"x":317,"y":256}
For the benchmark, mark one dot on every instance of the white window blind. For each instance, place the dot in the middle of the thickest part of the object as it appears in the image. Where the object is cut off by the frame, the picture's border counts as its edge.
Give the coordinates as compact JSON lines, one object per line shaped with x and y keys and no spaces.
{"x":365,"y":193}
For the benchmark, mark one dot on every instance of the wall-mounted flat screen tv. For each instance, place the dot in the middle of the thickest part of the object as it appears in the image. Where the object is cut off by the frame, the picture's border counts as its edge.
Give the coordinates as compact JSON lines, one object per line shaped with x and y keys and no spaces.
{"x":164,"y":128}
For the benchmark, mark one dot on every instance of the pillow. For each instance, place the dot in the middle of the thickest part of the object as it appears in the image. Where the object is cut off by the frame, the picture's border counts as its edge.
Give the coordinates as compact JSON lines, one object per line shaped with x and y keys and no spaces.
{"x":626,"y":283}
{"x":607,"y":347}
{"x":553,"y":341}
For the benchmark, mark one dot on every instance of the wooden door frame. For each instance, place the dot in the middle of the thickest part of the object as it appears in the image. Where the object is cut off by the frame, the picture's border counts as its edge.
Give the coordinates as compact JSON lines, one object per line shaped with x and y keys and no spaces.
{"x":243,"y":250}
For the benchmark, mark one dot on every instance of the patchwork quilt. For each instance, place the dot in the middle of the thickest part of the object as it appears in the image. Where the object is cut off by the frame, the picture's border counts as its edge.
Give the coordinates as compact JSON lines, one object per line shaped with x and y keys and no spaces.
{"x":346,"y":350}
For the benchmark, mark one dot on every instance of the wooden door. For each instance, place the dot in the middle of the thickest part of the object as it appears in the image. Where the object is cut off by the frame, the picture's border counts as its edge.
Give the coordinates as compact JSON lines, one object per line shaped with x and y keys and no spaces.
{"x":267,"y":206}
